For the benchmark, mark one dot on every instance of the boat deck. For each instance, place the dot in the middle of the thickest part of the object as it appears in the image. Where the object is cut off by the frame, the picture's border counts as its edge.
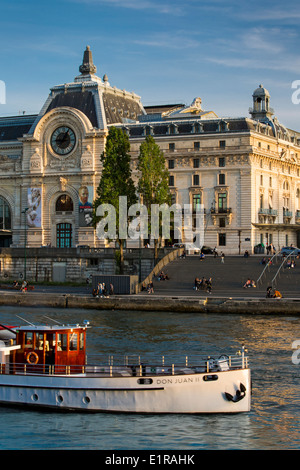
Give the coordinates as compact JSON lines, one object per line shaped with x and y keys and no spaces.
{"x":131,"y":367}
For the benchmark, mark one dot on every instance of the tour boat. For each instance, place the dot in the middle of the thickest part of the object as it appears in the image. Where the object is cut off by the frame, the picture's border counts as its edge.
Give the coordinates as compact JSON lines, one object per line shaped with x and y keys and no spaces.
{"x":46,"y":366}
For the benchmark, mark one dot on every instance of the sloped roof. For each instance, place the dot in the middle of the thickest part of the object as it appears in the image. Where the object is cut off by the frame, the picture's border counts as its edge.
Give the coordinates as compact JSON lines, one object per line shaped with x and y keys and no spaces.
{"x":13,"y":128}
{"x":103,"y":104}
{"x":82,"y":100}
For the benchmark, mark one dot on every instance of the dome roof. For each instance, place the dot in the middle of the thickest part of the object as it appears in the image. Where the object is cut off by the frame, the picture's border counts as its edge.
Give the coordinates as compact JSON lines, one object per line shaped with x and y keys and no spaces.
{"x":261,"y":91}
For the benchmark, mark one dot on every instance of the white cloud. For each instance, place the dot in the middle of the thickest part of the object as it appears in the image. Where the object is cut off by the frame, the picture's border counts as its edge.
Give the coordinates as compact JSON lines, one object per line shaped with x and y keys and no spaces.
{"x":288,"y":64}
{"x":168,"y":41}
{"x":167,"y":8}
{"x":288,"y":14}
{"x":263,"y":40}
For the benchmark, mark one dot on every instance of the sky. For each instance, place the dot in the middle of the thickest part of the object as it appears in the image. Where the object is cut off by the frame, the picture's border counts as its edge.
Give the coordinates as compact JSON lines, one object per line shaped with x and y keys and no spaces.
{"x":166,"y":51}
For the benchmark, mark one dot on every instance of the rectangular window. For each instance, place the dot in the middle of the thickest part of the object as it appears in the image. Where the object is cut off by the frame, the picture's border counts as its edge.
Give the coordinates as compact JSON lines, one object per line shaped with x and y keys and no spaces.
{"x":172,"y":147}
{"x":222,"y":161}
{"x":196,"y":145}
{"x":63,"y":235}
{"x":62,"y":342}
{"x":171,"y":180}
{"x":28,"y":339}
{"x":39,"y":341}
{"x":222,"y":222}
{"x":81,"y":341}
{"x":73,"y":339}
{"x":196,"y":202}
{"x":222,"y":144}
{"x":196,"y":162}
{"x":261,"y":201}
{"x":195,"y":180}
{"x":171,"y":164}
{"x":50,"y":342}
{"x":221,"y":178}
{"x":222,"y":202}
{"x":222,"y":239}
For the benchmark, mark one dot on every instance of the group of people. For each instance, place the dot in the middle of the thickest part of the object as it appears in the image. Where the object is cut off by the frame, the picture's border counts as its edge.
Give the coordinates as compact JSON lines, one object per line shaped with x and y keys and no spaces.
{"x":290,"y":264}
{"x":149,"y":288}
{"x":203,"y":284}
{"x":103,"y":290}
{"x":216,"y":254}
{"x":271,"y":250}
{"x":264,"y":261}
{"x":273,"y":295}
{"x":249,"y":283}
{"x":163,"y":276}
{"x":23,"y":287}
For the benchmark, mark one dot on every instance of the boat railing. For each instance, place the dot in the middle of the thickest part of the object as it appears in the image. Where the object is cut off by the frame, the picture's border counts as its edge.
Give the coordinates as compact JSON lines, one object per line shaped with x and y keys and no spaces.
{"x":132,"y":365}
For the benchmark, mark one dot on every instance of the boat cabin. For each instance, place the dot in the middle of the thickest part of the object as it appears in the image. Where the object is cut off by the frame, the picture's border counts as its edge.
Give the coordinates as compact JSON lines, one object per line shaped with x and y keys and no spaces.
{"x":50,"y":345}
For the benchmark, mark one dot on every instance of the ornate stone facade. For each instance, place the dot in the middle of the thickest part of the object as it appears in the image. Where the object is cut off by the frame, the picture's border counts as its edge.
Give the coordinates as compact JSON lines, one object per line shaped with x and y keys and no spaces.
{"x":245,"y":171}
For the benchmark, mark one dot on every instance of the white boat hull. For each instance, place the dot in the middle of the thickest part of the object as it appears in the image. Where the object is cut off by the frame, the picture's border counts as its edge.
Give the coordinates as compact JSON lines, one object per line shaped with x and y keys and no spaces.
{"x":186,"y":393}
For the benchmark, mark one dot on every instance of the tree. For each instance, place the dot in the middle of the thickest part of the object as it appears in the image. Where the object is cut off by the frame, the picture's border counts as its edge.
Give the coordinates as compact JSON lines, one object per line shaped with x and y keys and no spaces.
{"x":153,"y":184}
{"x":115,"y":182}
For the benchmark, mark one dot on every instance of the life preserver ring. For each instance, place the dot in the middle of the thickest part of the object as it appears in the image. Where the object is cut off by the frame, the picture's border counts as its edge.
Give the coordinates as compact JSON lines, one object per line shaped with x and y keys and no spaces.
{"x":34,"y":359}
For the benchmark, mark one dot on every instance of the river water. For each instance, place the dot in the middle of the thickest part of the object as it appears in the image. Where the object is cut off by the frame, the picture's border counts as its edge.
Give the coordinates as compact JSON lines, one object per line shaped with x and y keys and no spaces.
{"x":273,"y":422}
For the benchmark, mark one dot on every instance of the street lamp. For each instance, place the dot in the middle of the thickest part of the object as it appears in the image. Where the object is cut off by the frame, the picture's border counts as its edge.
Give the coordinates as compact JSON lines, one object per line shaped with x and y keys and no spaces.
{"x":140,"y":242}
{"x":25,"y":242}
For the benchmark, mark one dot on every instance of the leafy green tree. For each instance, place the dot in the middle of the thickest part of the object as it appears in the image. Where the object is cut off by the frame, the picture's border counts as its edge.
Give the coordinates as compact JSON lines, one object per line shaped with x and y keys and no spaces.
{"x":153,"y":184}
{"x":116,"y":181}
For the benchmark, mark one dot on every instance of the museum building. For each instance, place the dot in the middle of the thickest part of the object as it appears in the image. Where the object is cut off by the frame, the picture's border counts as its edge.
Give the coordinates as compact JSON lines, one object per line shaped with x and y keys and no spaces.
{"x":244,"y":171}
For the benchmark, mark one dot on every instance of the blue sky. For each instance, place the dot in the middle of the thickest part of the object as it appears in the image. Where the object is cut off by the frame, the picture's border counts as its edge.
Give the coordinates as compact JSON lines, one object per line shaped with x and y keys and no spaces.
{"x":166,"y":51}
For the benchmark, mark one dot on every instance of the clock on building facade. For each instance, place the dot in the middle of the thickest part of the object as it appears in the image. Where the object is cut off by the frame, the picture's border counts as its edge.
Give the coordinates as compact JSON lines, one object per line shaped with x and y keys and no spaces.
{"x":63,"y":140}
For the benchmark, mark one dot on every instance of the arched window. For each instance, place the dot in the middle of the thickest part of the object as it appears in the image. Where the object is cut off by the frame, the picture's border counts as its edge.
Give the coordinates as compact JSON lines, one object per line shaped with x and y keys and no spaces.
{"x":286,"y":186}
{"x":64,"y":204}
{"x":5,"y":215}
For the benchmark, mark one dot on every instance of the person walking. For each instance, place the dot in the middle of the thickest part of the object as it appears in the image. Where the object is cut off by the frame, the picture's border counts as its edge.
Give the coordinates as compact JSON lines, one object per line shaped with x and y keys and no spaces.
{"x":209,"y":285}
{"x":222,"y":257}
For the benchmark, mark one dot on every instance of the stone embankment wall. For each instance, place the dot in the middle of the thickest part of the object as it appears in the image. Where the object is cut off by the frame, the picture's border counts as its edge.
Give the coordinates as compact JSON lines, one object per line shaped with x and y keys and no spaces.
{"x":72,"y":264}
{"x":144,"y":303}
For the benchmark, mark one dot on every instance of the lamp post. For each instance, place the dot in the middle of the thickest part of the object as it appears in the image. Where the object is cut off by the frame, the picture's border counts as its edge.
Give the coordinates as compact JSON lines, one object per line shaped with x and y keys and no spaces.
{"x":140,"y":250}
{"x":25,"y":242}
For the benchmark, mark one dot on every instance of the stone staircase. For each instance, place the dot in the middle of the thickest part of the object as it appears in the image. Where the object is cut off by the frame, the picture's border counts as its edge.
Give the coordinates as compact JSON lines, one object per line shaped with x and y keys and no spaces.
{"x":228,"y":278}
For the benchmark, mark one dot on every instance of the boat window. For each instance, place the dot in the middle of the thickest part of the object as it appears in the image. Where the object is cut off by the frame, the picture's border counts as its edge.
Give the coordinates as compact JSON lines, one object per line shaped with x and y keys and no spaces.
{"x":62,"y":342}
{"x":40,"y":341}
{"x":81,"y":341}
{"x":210,"y":377}
{"x":73,"y":342}
{"x":28,"y":339}
{"x":50,"y":341}
{"x":145,"y":381}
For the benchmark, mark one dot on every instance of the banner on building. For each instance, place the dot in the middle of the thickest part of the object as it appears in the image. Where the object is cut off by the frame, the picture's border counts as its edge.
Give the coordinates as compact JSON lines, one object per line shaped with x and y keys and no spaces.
{"x":85,"y":195}
{"x":34,"y":205}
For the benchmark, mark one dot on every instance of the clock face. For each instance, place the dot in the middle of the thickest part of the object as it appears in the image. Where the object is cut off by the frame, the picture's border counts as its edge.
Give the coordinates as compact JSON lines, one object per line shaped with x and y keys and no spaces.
{"x":63,"y":140}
